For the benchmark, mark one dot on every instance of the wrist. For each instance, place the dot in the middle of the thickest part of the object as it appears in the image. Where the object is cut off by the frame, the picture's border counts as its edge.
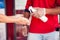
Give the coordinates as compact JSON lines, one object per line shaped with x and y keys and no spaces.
{"x":48,"y":11}
{"x":44,"y":10}
{"x":13,"y":20}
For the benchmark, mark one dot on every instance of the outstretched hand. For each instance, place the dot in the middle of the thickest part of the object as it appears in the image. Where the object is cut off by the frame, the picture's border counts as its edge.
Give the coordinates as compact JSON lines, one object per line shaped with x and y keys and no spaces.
{"x":21,"y":20}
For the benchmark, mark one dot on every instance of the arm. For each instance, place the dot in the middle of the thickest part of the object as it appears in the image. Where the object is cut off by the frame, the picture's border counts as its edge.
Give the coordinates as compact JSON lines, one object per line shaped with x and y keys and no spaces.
{"x":13,"y":19}
{"x":53,"y":10}
{"x":6,"y":19}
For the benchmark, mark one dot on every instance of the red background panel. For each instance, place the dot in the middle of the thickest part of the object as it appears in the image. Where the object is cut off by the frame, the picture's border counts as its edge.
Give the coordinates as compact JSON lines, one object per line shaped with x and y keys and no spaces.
{"x":9,"y":12}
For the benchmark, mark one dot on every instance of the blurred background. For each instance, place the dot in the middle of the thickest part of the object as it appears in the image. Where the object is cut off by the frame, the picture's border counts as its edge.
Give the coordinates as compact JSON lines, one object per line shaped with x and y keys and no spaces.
{"x":2,"y":25}
{"x":11,"y":31}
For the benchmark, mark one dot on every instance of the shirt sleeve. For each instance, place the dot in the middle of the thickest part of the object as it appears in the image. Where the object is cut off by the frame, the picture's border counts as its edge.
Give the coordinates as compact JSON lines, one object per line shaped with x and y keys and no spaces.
{"x":58,"y":2}
{"x":28,"y":3}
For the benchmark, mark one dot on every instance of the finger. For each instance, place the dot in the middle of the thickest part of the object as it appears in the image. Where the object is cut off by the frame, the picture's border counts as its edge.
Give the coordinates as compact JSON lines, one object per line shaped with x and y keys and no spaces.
{"x":26,"y":20}
{"x":32,"y":14}
{"x":36,"y":15}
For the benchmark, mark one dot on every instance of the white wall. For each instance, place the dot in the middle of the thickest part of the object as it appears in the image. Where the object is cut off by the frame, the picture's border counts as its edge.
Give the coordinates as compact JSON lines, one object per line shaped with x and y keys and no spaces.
{"x":20,"y":4}
{"x":2,"y":27}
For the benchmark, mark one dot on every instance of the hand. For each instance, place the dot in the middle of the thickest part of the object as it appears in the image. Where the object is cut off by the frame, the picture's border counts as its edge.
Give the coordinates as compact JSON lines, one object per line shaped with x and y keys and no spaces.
{"x":22,"y":20}
{"x":24,"y":31}
{"x":39,"y":12}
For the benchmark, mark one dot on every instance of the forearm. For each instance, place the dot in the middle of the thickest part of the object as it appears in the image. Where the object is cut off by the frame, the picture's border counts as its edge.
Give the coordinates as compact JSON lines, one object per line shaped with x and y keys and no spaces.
{"x":53,"y":10}
{"x":7,"y":19}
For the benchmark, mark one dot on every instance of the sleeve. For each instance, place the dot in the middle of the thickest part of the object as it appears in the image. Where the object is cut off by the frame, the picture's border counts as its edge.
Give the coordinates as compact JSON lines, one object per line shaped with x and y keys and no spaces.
{"x":58,"y":2}
{"x":28,"y":3}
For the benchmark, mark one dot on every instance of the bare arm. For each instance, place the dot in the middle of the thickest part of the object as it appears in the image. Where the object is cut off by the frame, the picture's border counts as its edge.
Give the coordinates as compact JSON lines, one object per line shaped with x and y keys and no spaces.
{"x":53,"y":10}
{"x":50,"y":11}
{"x":13,"y":19}
{"x":6,"y":19}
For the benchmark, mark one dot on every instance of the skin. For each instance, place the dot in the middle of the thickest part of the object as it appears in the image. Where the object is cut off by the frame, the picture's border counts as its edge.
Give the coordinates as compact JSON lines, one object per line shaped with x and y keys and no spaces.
{"x":13,"y":19}
{"x":48,"y":11}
